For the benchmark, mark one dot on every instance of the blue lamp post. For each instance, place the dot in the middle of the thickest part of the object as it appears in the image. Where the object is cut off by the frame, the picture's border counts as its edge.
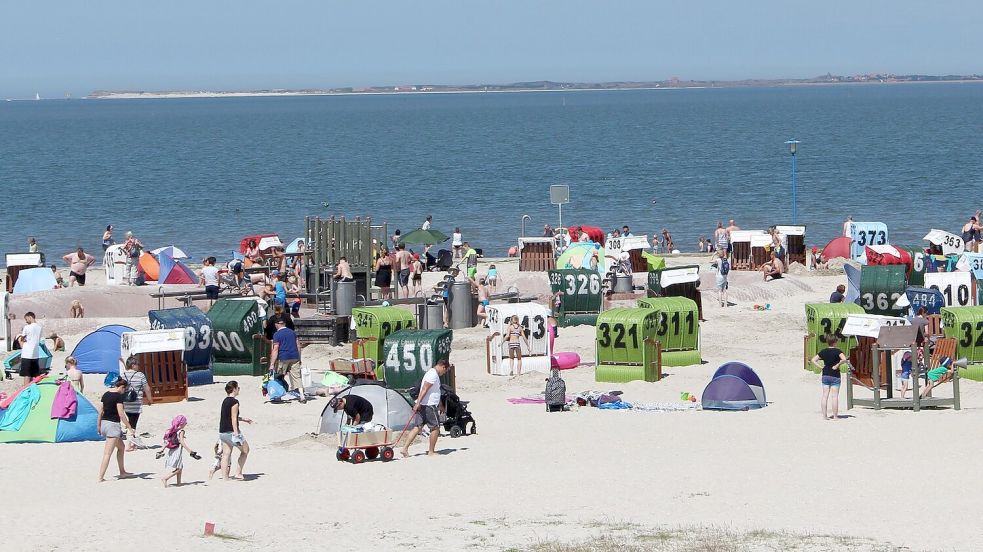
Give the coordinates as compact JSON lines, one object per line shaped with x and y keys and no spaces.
{"x":791,"y":148}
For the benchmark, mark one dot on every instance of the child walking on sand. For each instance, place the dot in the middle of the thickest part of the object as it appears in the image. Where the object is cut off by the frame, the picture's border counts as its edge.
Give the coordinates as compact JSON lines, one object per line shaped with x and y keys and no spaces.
{"x":217,"y":465}
{"x":174,"y":444}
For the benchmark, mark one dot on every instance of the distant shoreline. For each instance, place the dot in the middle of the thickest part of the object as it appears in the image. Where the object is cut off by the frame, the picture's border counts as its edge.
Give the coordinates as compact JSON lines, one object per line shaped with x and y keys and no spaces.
{"x":396,"y":91}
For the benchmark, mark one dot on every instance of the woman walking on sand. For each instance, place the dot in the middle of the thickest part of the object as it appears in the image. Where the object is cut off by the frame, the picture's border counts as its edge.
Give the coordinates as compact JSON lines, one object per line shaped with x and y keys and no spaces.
{"x":229,"y":433}
{"x":137,"y":393}
{"x":110,"y":423}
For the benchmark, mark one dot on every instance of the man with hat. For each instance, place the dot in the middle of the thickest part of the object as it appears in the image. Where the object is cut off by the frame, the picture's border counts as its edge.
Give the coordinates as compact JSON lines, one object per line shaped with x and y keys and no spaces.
{"x":358,"y":409}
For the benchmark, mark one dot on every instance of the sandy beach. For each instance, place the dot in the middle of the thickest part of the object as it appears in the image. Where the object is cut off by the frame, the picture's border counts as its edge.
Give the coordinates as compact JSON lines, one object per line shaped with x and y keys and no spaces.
{"x":777,"y":478}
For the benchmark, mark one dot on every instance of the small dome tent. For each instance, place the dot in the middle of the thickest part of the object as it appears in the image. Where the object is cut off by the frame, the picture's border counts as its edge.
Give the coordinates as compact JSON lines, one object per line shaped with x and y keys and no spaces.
{"x":389,"y":407}
{"x":734,"y":386}
{"x":175,"y":272}
{"x":98,"y":352}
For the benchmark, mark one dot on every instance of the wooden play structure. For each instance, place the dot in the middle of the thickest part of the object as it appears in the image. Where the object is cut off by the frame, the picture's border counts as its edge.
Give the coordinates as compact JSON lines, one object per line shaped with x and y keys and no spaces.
{"x":894,"y":341}
{"x":330,"y":239}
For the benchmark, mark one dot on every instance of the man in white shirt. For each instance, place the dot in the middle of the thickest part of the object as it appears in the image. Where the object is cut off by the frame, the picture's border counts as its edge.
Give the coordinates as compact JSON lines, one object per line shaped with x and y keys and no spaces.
{"x":209,"y":279}
{"x":426,"y":223}
{"x":427,"y":407}
{"x":30,"y":345}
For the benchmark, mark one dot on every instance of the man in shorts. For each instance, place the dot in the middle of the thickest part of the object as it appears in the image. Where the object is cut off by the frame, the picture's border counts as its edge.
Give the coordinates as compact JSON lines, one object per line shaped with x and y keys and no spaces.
{"x":30,"y":345}
{"x":404,"y":260}
{"x":78,"y":262}
{"x":427,"y":407}
{"x":285,"y":358}
{"x":209,"y":279}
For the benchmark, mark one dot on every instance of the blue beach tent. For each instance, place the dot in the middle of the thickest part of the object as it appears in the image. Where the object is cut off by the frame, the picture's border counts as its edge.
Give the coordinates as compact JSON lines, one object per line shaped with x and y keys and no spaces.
{"x":734,"y":386}
{"x":35,"y":279}
{"x":98,"y":352}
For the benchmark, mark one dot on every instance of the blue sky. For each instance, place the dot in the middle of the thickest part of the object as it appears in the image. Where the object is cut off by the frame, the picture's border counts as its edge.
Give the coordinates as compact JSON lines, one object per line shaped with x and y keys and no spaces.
{"x":66,"y":46}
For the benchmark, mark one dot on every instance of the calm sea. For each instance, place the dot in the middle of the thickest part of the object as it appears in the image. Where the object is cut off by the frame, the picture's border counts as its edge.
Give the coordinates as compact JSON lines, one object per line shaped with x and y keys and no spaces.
{"x":201,"y":173}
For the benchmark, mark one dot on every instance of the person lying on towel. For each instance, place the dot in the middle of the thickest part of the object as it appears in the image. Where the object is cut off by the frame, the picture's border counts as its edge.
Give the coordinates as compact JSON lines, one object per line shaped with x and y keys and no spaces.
{"x":357,"y":409}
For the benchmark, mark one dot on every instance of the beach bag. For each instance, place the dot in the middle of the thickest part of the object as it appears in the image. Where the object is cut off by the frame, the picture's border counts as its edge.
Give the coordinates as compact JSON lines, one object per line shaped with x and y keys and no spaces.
{"x":130,"y":395}
{"x":275,"y":390}
{"x":724,"y":267}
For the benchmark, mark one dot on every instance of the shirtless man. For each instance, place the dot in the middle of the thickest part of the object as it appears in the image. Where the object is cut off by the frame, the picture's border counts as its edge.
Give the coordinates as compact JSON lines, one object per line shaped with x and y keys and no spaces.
{"x":731,"y":227}
{"x":78,"y":262}
{"x":774,"y":268}
{"x":403,"y":261}
{"x":343,"y":273}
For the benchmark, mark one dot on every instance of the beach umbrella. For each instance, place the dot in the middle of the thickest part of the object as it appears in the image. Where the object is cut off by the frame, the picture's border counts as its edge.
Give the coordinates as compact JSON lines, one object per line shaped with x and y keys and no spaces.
{"x":424,"y":237}
{"x":171,"y":251}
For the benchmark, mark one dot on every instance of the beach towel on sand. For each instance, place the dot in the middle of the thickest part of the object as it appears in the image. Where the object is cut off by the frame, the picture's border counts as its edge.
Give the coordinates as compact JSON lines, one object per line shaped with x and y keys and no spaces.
{"x":16,"y":415}
{"x":65,"y":403}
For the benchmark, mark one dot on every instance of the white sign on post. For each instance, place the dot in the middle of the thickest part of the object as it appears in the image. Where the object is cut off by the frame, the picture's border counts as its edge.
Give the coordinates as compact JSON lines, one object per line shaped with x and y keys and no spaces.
{"x":560,"y":194}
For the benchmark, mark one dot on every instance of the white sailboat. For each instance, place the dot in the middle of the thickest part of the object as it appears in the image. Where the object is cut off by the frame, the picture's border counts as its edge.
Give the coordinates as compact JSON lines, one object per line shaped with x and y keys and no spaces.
{"x":37,"y":96}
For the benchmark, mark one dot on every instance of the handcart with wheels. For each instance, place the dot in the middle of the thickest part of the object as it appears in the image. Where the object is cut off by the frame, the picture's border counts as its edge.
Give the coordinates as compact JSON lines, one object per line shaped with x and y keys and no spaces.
{"x":358,"y":446}
{"x":359,"y":367}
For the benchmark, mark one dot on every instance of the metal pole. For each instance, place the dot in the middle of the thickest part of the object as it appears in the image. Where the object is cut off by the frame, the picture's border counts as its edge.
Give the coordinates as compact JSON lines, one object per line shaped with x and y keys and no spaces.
{"x":794,"y":203}
{"x":560,"y":206}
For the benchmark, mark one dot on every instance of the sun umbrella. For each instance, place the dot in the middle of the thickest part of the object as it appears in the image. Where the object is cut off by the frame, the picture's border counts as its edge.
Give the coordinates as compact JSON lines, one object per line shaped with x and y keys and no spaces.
{"x":424,"y":237}
{"x":578,"y":255}
{"x":171,"y":251}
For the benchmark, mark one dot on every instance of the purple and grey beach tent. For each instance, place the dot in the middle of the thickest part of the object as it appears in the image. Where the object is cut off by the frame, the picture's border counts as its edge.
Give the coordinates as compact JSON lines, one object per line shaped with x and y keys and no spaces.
{"x":734,"y":386}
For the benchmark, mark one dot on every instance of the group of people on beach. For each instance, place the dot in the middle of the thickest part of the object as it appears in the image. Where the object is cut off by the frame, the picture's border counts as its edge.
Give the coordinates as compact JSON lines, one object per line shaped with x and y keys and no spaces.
{"x":119,"y":412}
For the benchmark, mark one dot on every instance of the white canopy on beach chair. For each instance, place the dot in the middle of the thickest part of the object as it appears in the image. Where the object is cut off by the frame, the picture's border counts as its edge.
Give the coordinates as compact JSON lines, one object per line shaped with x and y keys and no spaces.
{"x":950,"y":243}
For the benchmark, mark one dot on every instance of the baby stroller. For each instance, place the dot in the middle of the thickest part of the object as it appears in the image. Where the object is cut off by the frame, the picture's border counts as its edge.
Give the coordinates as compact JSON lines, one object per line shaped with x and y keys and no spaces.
{"x":456,"y":410}
{"x":444,"y":260}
